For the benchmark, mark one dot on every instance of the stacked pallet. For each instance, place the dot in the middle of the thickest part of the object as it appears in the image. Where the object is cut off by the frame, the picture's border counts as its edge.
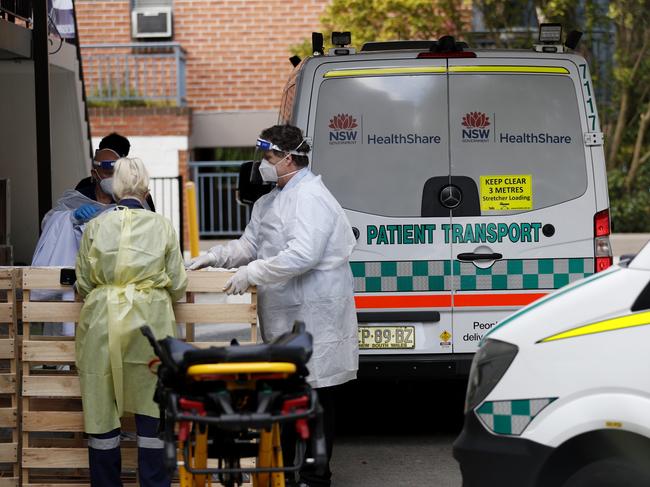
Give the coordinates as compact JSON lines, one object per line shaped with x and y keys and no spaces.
{"x":9,"y":434}
{"x":53,"y":446}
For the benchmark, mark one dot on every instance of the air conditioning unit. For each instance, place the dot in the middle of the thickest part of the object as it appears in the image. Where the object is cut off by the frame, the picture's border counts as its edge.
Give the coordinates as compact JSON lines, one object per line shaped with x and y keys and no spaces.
{"x":151,"y":22}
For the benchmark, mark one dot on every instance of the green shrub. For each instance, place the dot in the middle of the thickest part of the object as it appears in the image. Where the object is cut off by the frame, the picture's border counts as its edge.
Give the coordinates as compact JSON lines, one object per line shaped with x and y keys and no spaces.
{"x":630,"y":211}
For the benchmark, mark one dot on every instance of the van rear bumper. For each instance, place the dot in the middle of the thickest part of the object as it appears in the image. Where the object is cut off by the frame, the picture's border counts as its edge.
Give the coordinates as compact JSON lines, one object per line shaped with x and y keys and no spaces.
{"x":488,"y":460}
{"x":415,"y":366}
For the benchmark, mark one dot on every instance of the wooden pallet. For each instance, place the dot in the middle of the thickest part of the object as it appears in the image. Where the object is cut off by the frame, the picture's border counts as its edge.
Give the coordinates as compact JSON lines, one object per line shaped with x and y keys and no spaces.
{"x":10,"y":436}
{"x":53,"y":445}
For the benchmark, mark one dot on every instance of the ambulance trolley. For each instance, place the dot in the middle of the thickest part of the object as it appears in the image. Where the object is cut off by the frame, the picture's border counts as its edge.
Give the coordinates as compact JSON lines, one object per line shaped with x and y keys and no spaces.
{"x":559,"y":393}
{"x":474,"y":181}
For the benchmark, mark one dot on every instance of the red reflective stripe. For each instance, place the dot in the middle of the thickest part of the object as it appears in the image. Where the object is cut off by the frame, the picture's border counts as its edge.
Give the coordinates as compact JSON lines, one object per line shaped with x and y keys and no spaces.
{"x":464,"y":300}
{"x":419,"y":301}
{"x":444,"y":300}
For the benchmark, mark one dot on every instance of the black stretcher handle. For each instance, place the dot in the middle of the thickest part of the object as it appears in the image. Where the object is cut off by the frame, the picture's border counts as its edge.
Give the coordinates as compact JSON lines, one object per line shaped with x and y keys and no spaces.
{"x":472,"y":256}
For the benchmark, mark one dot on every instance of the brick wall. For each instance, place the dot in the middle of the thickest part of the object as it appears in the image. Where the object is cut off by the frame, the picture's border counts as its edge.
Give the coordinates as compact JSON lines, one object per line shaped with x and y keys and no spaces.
{"x":103,"y":21}
{"x":237,"y":50}
{"x":131,"y":121}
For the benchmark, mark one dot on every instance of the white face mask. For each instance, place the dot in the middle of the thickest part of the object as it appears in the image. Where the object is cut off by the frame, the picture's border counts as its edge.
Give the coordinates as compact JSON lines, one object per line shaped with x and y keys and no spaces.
{"x":268,"y":172}
{"x":107,"y":186}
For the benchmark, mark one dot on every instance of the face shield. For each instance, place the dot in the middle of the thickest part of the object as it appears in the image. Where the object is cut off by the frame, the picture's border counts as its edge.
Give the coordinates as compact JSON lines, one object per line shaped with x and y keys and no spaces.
{"x":261,"y":147}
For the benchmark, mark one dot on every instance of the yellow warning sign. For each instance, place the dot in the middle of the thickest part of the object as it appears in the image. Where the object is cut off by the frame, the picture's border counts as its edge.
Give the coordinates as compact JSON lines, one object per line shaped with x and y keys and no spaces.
{"x":445,"y":336}
{"x":507,"y":192}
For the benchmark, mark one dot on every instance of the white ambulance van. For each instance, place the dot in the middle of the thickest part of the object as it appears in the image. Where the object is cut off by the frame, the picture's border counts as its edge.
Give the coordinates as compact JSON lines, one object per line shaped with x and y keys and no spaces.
{"x":474,"y":180}
{"x":559,"y":393}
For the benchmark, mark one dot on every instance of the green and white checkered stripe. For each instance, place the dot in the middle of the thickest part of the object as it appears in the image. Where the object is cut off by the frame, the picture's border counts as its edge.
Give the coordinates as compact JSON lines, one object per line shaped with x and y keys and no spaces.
{"x":444,"y":275}
{"x":510,"y":417}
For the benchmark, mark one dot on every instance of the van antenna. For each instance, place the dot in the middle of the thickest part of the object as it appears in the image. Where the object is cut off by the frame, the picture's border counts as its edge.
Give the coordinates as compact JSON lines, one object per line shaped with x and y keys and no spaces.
{"x":317,"y":43}
{"x":295,"y":60}
{"x":572,"y":39}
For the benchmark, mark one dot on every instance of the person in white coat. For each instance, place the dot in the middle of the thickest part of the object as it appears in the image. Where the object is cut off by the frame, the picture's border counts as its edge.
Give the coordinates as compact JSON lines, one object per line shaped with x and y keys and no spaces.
{"x":296,"y":250}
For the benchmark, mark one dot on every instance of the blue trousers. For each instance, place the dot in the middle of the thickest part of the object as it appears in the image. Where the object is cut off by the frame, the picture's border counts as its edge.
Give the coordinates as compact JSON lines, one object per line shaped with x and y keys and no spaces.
{"x":106,"y":462}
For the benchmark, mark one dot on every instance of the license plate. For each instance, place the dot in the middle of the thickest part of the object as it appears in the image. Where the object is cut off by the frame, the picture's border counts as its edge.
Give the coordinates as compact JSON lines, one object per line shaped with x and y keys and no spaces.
{"x":375,"y":337}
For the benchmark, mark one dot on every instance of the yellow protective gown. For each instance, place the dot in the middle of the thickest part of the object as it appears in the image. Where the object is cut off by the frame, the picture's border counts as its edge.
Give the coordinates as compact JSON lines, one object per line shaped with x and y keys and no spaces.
{"x":129,"y":270}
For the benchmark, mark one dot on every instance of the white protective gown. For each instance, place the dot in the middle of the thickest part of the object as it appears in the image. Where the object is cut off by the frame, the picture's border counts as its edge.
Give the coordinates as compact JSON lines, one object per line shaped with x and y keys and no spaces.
{"x":297,"y":247}
{"x":58,"y":246}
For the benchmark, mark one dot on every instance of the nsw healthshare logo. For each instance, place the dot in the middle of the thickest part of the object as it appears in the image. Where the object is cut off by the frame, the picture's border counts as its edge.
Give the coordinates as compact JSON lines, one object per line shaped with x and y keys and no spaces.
{"x":343,"y":129}
{"x":476,"y":127}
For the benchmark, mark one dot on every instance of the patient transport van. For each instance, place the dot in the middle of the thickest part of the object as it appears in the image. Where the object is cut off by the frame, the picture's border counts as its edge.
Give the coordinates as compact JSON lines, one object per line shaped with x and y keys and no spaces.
{"x":474,"y":180}
{"x":559,"y":393}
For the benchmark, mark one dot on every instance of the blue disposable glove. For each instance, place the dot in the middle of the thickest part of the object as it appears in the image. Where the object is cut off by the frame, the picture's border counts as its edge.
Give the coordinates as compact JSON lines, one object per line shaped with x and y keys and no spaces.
{"x":85,"y":213}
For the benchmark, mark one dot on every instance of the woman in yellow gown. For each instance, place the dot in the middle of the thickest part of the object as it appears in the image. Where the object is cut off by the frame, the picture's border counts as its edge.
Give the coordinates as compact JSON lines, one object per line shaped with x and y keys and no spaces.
{"x":129,"y":272}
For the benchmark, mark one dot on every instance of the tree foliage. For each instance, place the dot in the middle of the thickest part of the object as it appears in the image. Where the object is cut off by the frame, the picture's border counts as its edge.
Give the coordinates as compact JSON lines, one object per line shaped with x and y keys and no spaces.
{"x":388,"y":20}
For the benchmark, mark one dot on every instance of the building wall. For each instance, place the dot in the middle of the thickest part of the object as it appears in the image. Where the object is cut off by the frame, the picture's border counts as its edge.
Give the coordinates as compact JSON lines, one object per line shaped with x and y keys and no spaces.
{"x":141,"y":121}
{"x":18,"y":155}
{"x":237,"y":50}
{"x":69,"y":157}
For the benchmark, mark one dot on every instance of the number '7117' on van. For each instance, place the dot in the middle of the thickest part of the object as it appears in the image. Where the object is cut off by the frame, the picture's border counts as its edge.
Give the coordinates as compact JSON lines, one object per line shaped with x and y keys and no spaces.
{"x":475,"y":185}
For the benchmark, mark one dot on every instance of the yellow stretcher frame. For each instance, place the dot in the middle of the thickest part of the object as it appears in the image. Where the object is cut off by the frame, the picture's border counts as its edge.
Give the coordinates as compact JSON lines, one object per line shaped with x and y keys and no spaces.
{"x":270,"y":449}
{"x":242,"y":368}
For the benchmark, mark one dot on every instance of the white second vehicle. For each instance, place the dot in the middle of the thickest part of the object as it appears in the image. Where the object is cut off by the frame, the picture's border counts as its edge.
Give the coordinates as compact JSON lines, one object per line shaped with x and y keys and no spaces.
{"x":559,"y":393}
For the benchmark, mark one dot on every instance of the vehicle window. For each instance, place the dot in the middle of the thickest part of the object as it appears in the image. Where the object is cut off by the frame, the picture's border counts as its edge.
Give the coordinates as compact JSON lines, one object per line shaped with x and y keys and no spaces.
{"x":519,"y":137}
{"x":377,"y":140}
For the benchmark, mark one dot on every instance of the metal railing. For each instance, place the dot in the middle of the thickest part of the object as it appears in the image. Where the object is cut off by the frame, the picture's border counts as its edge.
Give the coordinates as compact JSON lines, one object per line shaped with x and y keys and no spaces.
{"x":21,"y":9}
{"x":167,"y":195}
{"x":220,"y":215}
{"x":135,"y":73}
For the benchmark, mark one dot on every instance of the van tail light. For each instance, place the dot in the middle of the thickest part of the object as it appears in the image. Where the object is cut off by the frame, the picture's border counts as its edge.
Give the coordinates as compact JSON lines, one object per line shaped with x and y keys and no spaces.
{"x":602,"y":247}
{"x":603,"y":263}
{"x":601,"y":223}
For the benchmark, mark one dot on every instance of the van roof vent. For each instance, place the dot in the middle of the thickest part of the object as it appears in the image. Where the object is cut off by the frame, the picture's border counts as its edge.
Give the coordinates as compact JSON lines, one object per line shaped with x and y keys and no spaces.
{"x":398,"y":45}
{"x":433,"y":46}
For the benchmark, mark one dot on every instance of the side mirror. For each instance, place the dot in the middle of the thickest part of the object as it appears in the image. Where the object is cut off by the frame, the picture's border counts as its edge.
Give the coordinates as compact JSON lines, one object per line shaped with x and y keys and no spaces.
{"x":625,"y":259}
{"x":250,"y":188}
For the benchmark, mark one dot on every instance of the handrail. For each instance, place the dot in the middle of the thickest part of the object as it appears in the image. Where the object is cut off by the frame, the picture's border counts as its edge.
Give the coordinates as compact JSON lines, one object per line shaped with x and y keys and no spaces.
{"x":17,"y":11}
{"x":138,"y":72}
{"x":220,"y":213}
{"x":215,"y":163}
{"x":133,"y":45}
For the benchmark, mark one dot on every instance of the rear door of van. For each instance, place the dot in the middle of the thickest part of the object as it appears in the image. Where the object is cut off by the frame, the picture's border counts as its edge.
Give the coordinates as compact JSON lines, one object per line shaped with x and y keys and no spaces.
{"x":525,"y":223}
{"x":380,"y":133}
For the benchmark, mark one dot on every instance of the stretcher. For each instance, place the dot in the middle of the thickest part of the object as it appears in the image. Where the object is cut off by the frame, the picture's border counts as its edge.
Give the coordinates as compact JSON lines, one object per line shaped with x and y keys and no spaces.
{"x":223,"y":404}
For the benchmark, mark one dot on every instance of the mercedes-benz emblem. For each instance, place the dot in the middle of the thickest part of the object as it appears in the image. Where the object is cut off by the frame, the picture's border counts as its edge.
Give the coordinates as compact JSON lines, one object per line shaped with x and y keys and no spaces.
{"x":450,"y":196}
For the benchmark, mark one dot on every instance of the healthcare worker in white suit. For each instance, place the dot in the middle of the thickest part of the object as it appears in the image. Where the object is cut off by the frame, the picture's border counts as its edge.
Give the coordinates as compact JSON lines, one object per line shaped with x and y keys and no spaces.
{"x":296,"y":250}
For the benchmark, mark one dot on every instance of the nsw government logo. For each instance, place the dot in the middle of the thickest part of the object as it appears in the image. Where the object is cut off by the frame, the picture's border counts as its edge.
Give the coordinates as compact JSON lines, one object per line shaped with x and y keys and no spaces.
{"x":343,"y":129}
{"x":476,"y":127}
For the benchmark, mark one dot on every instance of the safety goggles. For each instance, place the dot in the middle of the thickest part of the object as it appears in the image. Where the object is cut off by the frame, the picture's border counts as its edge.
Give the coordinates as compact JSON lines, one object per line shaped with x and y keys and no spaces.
{"x":108,"y":165}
